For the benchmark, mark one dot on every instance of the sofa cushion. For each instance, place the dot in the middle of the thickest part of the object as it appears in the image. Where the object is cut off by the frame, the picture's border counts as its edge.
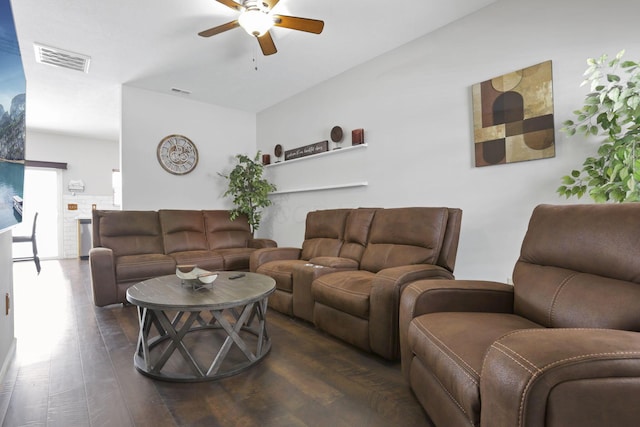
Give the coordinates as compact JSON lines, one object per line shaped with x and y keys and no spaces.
{"x":586,"y":239}
{"x":345,"y":291}
{"x":356,"y":233}
{"x":131,"y":232}
{"x":449,"y":250}
{"x":222,"y":233}
{"x":235,"y":258}
{"x":135,"y":268}
{"x":281,"y":271}
{"x":327,"y":223}
{"x":404,"y":236}
{"x":206,"y":260}
{"x":586,"y":253}
{"x":453,"y":347}
{"x":182,"y":230}
{"x":552,"y":300}
{"x":324,"y":232}
{"x":319,"y":247}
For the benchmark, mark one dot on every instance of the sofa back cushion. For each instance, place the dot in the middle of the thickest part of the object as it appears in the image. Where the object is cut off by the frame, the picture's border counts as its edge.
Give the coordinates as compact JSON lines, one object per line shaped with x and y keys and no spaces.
{"x":182,"y":230}
{"x":356,"y":233}
{"x":579,"y":266}
{"x":404,"y":236}
{"x":222,"y":233}
{"x":449,"y":251}
{"x":128,"y":232}
{"x":324,"y":232}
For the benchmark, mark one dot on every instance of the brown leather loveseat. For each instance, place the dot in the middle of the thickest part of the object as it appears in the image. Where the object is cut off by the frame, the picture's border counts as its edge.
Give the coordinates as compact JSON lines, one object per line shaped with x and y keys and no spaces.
{"x":353,"y":265}
{"x":131,"y":246}
{"x":559,"y":348}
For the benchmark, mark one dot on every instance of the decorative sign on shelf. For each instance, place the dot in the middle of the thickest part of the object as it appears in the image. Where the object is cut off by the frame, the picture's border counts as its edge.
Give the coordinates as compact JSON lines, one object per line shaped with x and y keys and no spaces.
{"x":307,"y":150}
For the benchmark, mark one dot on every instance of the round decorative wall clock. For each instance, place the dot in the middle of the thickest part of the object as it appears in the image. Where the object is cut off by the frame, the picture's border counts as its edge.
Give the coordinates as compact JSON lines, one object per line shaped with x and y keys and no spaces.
{"x":177,"y":154}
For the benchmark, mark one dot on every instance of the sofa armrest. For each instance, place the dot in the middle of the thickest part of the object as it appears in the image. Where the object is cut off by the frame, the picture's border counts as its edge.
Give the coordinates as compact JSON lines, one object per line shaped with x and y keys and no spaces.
{"x":261,"y":243}
{"x":261,"y":256}
{"x":384,"y":303}
{"x":558,"y":376}
{"x":103,"y":276}
{"x":432,"y":296}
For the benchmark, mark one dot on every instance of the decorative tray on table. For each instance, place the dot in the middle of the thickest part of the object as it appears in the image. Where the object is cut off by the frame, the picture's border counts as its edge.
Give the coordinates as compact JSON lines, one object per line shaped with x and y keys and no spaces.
{"x":197,"y":278}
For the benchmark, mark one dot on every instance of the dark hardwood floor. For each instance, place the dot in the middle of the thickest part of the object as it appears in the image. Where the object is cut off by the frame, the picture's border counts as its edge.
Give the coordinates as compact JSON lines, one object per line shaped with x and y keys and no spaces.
{"x":73,"y":367}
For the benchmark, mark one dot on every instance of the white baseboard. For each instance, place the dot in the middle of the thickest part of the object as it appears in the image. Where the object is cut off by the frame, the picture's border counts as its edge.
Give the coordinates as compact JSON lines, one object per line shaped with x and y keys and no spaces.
{"x":8,"y":359}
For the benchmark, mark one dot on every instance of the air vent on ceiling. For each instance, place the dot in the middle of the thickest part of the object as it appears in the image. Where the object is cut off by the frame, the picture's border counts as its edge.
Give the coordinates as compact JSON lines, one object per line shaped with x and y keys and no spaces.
{"x":181,"y":91}
{"x":61,"y":58}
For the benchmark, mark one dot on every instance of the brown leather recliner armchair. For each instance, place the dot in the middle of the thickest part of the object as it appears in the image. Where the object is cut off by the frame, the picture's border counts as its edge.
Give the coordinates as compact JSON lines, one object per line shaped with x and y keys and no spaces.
{"x":559,"y":348}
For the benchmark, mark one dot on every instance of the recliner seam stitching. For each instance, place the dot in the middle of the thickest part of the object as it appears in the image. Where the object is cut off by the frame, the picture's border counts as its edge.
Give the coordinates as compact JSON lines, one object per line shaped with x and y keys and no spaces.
{"x":540,"y":370}
{"x":531,"y":371}
{"x":461,"y":362}
{"x":458,"y":404}
{"x":504,"y":348}
{"x":555,"y":297}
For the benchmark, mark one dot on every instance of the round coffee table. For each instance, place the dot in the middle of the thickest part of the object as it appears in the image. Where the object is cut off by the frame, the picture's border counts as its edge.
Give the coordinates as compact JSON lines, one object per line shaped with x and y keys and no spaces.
{"x":223,"y":324}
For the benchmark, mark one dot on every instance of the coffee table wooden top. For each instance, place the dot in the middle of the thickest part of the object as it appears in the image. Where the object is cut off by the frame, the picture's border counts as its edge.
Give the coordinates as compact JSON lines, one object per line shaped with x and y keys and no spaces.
{"x":168,"y":292}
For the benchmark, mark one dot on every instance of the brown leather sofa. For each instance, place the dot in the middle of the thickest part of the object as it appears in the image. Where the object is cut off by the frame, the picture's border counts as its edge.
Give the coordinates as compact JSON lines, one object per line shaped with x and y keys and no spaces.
{"x":334,"y":240}
{"x":558,"y":348}
{"x":131,"y":246}
{"x":348,"y":276}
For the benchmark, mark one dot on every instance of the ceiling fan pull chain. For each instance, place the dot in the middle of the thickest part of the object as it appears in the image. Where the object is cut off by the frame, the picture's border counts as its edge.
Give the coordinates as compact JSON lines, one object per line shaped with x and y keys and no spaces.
{"x":255,"y":58}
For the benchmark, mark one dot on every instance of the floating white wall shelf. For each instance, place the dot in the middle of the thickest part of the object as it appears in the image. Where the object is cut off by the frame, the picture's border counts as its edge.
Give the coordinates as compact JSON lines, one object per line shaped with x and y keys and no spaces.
{"x":321,"y":188}
{"x":315,"y":156}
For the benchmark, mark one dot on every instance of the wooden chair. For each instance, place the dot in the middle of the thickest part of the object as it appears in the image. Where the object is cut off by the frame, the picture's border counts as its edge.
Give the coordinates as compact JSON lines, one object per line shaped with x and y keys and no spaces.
{"x":34,"y":246}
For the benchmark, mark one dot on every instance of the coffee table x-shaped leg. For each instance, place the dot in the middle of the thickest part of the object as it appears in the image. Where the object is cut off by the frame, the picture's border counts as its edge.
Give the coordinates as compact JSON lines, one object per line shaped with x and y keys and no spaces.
{"x":234,"y":322}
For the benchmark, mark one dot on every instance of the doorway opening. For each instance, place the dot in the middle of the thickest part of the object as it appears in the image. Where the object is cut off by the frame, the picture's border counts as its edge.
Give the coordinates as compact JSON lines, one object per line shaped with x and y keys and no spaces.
{"x":42,"y":192}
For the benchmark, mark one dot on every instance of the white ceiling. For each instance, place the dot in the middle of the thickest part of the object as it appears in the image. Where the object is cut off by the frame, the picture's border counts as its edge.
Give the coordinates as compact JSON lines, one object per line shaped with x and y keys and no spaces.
{"x":153,"y":44}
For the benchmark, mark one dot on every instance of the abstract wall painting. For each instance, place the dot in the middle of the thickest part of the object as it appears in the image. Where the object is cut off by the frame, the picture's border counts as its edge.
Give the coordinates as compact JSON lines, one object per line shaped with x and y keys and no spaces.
{"x":513,"y":117}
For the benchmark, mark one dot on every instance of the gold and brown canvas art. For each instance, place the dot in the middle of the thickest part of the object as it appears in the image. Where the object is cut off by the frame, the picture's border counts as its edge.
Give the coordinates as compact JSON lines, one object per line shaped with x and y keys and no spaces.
{"x":513,"y":117}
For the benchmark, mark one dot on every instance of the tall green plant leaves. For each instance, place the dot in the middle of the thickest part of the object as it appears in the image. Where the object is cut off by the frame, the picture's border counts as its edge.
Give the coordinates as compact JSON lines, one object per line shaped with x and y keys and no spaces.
{"x":611,"y":110}
{"x":249,"y":189}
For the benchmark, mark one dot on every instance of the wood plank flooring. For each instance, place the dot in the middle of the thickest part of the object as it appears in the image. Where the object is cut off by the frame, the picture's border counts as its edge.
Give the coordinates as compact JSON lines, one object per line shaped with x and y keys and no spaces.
{"x":73,"y":367}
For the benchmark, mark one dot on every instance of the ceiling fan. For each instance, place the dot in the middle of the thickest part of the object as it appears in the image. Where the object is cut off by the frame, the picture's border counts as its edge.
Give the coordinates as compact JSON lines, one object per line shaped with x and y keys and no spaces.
{"x":256,"y":19}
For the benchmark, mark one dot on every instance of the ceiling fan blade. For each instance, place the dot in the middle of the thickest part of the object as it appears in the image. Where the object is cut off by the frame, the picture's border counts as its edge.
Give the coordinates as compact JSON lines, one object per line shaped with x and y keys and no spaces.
{"x":232,"y":4}
{"x":266,"y":44}
{"x":271,"y":3}
{"x":219,"y":29}
{"x":301,"y":24}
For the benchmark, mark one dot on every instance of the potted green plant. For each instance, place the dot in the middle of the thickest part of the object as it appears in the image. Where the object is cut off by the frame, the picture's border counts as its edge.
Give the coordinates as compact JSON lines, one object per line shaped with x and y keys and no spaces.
{"x":249,"y":189}
{"x":611,"y":109}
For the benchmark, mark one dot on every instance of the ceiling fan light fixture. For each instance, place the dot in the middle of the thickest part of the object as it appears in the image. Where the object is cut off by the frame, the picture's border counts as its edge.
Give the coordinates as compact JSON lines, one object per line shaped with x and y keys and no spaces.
{"x":255,"y":21}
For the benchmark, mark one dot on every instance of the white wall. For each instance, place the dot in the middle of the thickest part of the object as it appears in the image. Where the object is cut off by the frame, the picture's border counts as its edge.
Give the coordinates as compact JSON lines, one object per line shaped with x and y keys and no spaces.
{"x":90,"y":160}
{"x":218,"y":133}
{"x":7,"y":338}
{"x":415,"y":106}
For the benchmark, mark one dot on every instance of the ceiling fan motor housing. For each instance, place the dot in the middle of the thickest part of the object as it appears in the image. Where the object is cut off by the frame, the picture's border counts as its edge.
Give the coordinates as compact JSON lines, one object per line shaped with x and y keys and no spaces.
{"x":255,"y":19}
{"x":256,"y":4}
